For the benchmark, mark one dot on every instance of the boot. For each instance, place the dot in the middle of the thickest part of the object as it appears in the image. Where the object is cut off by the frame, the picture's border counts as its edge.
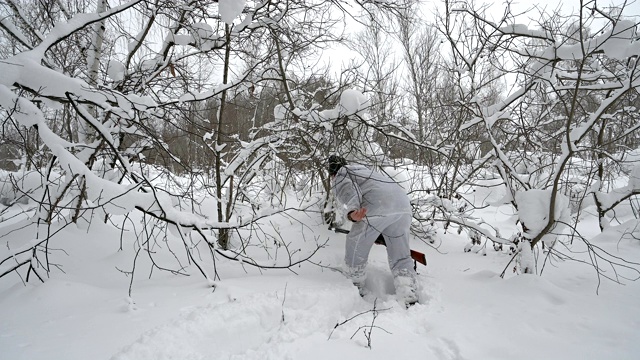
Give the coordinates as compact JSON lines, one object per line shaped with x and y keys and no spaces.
{"x":358,"y":277}
{"x":406,"y":289}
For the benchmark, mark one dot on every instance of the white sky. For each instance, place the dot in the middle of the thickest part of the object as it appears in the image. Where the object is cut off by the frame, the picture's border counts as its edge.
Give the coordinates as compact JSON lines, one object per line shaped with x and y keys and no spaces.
{"x":632,"y":7}
{"x":342,"y":55}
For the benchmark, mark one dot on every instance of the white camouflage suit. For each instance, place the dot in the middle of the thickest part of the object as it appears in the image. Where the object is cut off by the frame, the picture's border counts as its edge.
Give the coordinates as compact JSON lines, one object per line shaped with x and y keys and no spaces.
{"x":388,"y":213}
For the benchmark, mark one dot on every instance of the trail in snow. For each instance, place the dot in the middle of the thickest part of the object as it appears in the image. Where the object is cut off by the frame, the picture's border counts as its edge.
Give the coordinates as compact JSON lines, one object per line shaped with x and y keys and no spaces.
{"x":295,"y":322}
{"x":467,"y":311}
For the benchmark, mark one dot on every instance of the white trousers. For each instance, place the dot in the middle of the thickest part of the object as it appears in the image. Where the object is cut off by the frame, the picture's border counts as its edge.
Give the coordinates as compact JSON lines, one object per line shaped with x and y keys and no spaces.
{"x":395,"y":230}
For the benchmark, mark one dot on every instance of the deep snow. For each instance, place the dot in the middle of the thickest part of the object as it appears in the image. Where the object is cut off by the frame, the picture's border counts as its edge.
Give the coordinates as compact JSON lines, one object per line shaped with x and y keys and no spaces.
{"x":467,"y":311}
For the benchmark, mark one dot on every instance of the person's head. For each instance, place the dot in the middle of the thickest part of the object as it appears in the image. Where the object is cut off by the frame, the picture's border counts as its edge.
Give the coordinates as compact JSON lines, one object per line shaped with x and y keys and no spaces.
{"x":335,"y":163}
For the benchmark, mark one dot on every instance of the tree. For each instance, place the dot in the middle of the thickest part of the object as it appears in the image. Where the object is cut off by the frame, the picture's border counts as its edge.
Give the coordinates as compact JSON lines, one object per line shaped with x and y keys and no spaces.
{"x":570,"y":83}
{"x":97,"y":115}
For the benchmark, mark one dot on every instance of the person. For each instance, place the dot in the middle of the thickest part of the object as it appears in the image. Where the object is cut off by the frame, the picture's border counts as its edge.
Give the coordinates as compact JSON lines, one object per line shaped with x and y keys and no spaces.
{"x":376,"y":205}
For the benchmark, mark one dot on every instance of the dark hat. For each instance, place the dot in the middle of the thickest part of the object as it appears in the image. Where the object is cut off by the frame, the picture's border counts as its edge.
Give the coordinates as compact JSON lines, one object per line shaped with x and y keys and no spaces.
{"x":335,"y":163}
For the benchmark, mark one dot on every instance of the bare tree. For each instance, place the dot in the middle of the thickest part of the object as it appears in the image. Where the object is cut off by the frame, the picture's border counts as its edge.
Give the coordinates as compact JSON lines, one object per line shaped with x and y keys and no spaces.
{"x":549,"y":130}
{"x":142,"y":83}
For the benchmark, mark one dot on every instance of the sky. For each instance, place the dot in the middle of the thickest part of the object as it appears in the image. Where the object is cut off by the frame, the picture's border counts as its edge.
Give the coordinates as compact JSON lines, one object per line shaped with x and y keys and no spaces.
{"x":340,"y":56}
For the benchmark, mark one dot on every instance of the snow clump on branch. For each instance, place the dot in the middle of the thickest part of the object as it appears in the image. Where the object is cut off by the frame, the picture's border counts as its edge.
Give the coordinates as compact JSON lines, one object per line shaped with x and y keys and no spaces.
{"x":534,"y":215}
{"x":230,"y":9}
{"x":353,"y":102}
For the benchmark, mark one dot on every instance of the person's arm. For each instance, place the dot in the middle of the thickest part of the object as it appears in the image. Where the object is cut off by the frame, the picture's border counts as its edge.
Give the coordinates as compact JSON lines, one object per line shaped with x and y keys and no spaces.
{"x":348,"y":193}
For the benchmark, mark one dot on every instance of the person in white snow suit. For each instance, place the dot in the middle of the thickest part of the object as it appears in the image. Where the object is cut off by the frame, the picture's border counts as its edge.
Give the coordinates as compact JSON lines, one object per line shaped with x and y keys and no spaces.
{"x":376,"y":205}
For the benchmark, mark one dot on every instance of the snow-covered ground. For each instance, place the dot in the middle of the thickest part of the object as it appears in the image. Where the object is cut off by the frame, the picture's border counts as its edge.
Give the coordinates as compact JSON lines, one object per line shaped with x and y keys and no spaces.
{"x":466,"y":312}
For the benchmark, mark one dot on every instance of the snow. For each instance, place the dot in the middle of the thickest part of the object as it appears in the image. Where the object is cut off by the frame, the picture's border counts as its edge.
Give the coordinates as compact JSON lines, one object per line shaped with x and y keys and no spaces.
{"x":230,"y":9}
{"x":14,"y":184}
{"x":182,"y":39}
{"x":135,"y":42}
{"x":246,"y":22}
{"x":617,"y":42}
{"x":26,"y":112}
{"x":8,"y":24}
{"x":399,"y":175}
{"x":49,"y":83}
{"x":279,"y":112}
{"x":521,"y":29}
{"x":116,"y":70}
{"x":534,"y":212}
{"x":141,"y":102}
{"x":204,"y":35}
{"x":330,"y":114}
{"x":608,"y":199}
{"x":466,"y":310}
{"x":353,"y":102}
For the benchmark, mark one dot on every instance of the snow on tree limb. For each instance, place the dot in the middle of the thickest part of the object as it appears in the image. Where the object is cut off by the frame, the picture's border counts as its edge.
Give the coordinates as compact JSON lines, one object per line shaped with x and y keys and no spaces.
{"x":611,"y":199}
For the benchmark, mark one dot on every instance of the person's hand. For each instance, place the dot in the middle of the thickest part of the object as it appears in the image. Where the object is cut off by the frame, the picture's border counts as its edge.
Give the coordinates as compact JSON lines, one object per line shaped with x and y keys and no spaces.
{"x":357,"y":215}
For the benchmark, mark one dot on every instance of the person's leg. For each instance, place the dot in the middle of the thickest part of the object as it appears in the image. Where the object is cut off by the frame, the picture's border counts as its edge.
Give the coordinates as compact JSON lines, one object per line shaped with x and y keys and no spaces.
{"x":359,"y":242}
{"x":397,"y":238}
